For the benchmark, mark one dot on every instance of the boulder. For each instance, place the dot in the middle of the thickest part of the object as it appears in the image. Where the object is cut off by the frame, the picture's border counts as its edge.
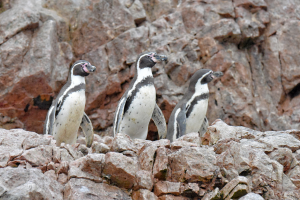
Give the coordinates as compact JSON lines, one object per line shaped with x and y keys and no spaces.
{"x":143,"y":194}
{"x":120,"y":169}
{"x":87,"y":167}
{"x":251,"y":196}
{"x":86,"y":189}
{"x":192,"y":164}
{"x":28,"y":184}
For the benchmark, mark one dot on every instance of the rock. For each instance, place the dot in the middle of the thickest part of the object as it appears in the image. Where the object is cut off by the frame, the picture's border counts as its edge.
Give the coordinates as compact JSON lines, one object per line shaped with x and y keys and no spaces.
{"x":62,"y":155}
{"x":34,"y":141}
{"x":88,"y":167}
{"x":28,"y":184}
{"x":238,"y":191}
{"x":190,"y":189}
{"x":208,"y":47}
{"x":166,"y":187}
{"x":249,"y":41}
{"x":285,"y":157}
{"x":72,"y":150}
{"x":241,"y":160}
{"x":249,"y":24}
{"x":18,"y":18}
{"x":178,"y":144}
{"x":251,"y":3}
{"x":143,"y":194}
{"x":251,"y":196}
{"x":235,"y":188}
{"x":11,"y":144}
{"x":99,"y":147}
{"x":84,"y":189}
{"x":39,"y":156}
{"x":146,"y":156}
{"x":120,"y":169}
{"x":220,"y":130}
{"x":222,"y":30}
{"x":280,"y":140}
{"x":162,"y":143}
{"x":51,"y":174}
{"x":62,"y":179}
{"x":132,"y":42}
{"x":122,"y":142}
{"x":287,"y":52}
{"x":294,"y":175}
{"x":139,"y":143}
{"x":138,"y":12}
{"x":160,"y":168}
{"x":190,"y":137}
{"x":211,"y":195}
{"x":144,"y":180}
{"x":193,"y":164}
{"x":172,"y":197}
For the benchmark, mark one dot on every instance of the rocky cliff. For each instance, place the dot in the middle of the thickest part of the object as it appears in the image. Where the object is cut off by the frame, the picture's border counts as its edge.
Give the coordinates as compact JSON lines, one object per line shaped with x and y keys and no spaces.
{"x":229,"y":162}
{"x":255,"y":43}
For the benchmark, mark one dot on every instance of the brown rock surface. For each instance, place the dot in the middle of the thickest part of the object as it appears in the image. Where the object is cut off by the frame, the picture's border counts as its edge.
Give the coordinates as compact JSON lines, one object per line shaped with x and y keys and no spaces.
{"x":236,"y":161}
{"x":120,"y":169}
{"x":77,"y":189}
{"x":254,"y":43}
{"x":20,"y":183}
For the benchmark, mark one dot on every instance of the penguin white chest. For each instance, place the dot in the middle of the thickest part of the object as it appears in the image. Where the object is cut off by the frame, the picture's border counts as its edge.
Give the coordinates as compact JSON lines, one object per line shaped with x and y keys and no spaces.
{"x":195,"y":119}
{"x":69,"y":118}
{"x":136,"y":120}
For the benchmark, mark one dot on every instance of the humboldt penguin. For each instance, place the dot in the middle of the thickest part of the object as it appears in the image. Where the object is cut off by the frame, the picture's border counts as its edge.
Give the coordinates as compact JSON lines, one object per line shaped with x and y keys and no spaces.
{"x":189,"y":115}
{"x":138,"y":104}
{"x":66,"y":113}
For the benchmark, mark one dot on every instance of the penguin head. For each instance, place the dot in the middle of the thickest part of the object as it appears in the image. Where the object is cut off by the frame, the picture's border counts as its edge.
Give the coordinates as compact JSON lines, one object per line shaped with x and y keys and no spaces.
{"x":202,"y":77}
{"x":82,"y":68}
{"x":149,"y":59}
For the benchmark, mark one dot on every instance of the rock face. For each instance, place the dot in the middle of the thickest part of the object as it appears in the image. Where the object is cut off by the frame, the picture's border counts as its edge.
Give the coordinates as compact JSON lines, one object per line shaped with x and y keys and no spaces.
{"x":227,"y":163}
{"x":254,"y":43}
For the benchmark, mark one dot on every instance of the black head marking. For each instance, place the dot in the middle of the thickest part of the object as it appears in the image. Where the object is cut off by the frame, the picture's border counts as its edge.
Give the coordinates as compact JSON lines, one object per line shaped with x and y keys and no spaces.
{"x":149,"y":59}
{"x":82,"y":68}
{"x":205,"y":75}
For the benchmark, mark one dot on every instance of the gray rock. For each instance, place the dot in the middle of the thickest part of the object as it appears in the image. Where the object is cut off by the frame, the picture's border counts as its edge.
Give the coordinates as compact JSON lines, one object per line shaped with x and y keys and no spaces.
{"x":77,"y":189}
{"x":251,"y":196}
{"x":28,"y":184}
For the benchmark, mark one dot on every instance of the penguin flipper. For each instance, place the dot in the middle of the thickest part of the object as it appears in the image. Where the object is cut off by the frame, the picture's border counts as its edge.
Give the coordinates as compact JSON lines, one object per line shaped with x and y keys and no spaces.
{"x":181,"y":122}
{"x":204,"y":127}
{"x":160,"y":122}
{"x":87,"y":128}
{"x":119,"y":114}
{"x":49,"y":121}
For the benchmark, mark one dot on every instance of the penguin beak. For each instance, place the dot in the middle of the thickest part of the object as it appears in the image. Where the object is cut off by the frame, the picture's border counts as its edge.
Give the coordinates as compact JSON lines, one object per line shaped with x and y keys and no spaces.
{"x":217,"y":74}
{"x":159,"y":58}
{"x":89,"y":68}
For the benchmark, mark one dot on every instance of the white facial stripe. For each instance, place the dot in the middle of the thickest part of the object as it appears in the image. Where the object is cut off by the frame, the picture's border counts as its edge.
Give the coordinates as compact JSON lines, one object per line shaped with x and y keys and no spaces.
{"x":48,"y":120}
{"x":199,"y":89}
{"x":175,"y":123}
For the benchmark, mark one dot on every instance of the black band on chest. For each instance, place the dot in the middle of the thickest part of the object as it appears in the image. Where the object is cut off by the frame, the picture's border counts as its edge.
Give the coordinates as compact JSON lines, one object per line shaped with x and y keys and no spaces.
{"x":194,"y":102}
{"x":74,"y":89}
{"x":147,"y":81}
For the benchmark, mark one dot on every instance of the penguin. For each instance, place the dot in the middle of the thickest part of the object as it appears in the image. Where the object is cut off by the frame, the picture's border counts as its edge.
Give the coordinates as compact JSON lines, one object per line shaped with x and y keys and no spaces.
{"x":138,"y":104}
{"x":66,"y":113}
{"x":189,"y":115}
